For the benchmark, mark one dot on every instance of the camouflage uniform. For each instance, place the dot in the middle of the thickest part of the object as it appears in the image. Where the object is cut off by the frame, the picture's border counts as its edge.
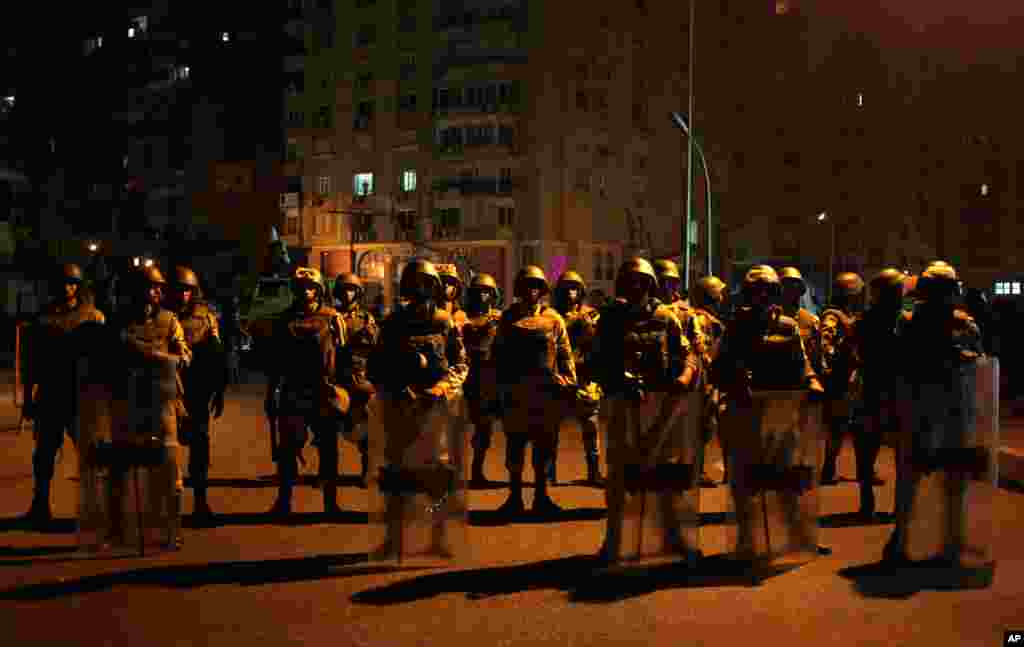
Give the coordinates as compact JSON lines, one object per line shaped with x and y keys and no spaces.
{"x":49,"y":384}
{"x":204,"y":382}
{"x":581,"y":323}
{"x":481,"y":388}
{"x":303,"y":366}
{"x":535,"y":373}
{"x":644,"y":362}
{"x":707,"y":298}
{"x":363,"y":334}
{"x":842,"y":384}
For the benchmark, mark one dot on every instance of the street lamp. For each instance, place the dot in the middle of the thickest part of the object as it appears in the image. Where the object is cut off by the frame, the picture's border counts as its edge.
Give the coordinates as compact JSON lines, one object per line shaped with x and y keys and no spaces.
{"x":824,"y":217}
{"x":680,"y":121}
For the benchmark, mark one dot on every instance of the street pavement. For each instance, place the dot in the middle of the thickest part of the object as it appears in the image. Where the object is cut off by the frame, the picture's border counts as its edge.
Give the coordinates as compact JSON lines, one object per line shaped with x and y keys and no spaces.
{"x":251,"y":581}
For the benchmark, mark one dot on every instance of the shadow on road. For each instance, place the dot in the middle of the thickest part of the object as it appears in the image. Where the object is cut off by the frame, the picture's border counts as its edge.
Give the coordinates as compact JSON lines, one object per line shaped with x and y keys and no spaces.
{"x":58,"y":526}
{"x":584,"y":577}
{"x":310,"y":480}
{"x":853,"y":519}
{"x":345,"y":517}
{"x":881,"y":580}
{"x":215,"y":573}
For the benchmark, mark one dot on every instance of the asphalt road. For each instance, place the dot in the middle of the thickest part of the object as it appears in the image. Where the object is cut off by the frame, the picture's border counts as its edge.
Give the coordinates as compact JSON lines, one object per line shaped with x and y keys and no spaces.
{"x":250,"y":581}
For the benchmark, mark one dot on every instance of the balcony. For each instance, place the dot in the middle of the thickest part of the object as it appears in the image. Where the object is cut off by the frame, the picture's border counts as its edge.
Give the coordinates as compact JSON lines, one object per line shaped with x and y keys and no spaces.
{"x":477,"y":186}
{"x":455,"y":19}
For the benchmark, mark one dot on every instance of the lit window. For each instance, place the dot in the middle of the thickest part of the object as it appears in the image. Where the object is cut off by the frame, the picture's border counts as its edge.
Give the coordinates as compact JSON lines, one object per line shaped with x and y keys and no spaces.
{"x":1016,"y":287}
{"x":131,"y":32}
{"x":363,"y":184}
{"x":408,"y":180}
{"x":9,"y":101}
{"x":984,"y":190}
{"x":860,"y":99}
{"x":225,"y":36}
{"x":781,"y":7}
{"x":324,"y":183}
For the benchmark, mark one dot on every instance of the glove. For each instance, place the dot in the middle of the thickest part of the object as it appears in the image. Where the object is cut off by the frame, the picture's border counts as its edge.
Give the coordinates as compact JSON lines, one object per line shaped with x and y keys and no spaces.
{"x":217,"y":405}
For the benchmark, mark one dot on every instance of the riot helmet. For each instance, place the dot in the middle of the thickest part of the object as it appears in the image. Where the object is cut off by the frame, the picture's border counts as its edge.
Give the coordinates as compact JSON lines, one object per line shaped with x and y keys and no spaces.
{"x":631,"y":268}
{"x":185,"y":280}
{"x":450,"y":277}
{"x":303,"y":278}
{"x":668,"y":276}
{"x":761,"y":287}
{"x":421,"y":282}
{"x":887,"y":289}
{"x":569,"y":280}
{"x":482,"y":292}
{"x":939,"y":283}
{"x":531,"y":275}
{"x":848,"y":292}
{"x":348,"y":282}
{"x":709,"y":293}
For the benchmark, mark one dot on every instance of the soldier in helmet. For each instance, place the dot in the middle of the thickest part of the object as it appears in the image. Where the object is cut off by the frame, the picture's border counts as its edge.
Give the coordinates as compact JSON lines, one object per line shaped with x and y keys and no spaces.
{"x":535,"y":373}
{"x":157,"y":353}
{"x":419,"y":367}
{"x":204,"y":381}
{"x":452,"y":292}
{"x":481,"y":390}
{"x":841,"y":382}
{"x":793,"y":289}
{"x":761,"y":350}
{"x":644,"y":363}
{"x":581,"y":323}
{"x":362,"y":337}
{"x":49,"y":379}
{"x":877,"y":354}
{"x":303,"y":387}
{"x":942,"y":345}
{"x":707,"y":298}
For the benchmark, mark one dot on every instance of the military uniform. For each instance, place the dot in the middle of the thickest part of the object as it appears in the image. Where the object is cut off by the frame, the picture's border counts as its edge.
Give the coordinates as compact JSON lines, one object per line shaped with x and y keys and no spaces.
{"x":707,"y":299}
{"x":49,"y":382}
{"x":772,"y":443}
{"x":535,"y":374}
{"x":481,"y":389}
{"x":305,"y":344}
{"x":363,"y":334}
{"x":204,"y":382}
{"x":419,"y":367}
{"x":842,"y":384}
{"x":646,"y":365}
{"x":581,"y":323}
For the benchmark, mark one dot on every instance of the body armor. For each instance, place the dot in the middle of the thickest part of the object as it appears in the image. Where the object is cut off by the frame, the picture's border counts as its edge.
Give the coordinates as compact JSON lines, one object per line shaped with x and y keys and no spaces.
{"x":758,"y":355}
{"x":416,"y":352}
{"x":534,"y":345}
{"x":305,"y":346}
{"x":205,"y":373}
{"x":479,"y":333}
{"x":51,"y":352}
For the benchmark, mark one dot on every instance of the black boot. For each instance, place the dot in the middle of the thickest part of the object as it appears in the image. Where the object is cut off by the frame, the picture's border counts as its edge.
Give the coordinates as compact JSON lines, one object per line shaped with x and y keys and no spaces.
{"x":39,"y":515}
{"x":594,"y":469}
{"x":867,"y":501}
{"x":364,"y":460}
{"x":513,"y":506}
{"x":201,"y":512}
{"x":331,"y":507}
{"x":543,"y":506}
{"x":477,"y":479}
{"x":283,"y":504}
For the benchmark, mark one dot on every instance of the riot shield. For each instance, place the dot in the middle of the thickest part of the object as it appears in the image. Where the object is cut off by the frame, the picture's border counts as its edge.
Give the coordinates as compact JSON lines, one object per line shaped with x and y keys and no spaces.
{"x":955,"y":467}
{"x":775,"y":446}
{"x":653,"y":495}
{"x":130,"y":477}
{"x":417,"y":489}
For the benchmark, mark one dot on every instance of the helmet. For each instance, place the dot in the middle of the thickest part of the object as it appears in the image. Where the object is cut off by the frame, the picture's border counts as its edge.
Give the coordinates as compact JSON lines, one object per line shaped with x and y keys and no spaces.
{"x":185,"y":276}
{"x":308,"y":275}
{"x":848,"y":284}
{"x":419,"y":266}
{"x":350,"y":279}
{"x":760,"y":274}
{"x":708,"y":291}
{"x":152,"y":274}
{"x":571,"y":277}
{"x":938,"y":281}
{"x":793,"y":274}
{"x":71,"y":273}
{"x":666,"y":269}
{"x":888,"y":283}
{"x":450,"y":274}
{"x":636,"y":265}
{"x":531,"y":273}
{"x":484,"y":282}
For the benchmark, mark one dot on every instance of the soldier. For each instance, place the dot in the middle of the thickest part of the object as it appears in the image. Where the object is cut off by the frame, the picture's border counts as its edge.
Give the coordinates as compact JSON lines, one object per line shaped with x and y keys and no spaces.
{"x":707,"y":298}
{"x":204,"y":381}
{"x":156,"y":354}
{"x":646,"y":365}
{"x":418,"y":366}
{"x":762,"y":351}
{"x":302,"y":386}
{"x":49,"y":382}
{"x":362,"y":337}
{"x":942,"y":346}
{"x":840,"y":382}
{"x":535,"y":375}
{"x":581,"y":324}
{"x":793,"y":289}
{"x":479,"y":331}
{"x":452,"y":292}
{"x":877,"y":354}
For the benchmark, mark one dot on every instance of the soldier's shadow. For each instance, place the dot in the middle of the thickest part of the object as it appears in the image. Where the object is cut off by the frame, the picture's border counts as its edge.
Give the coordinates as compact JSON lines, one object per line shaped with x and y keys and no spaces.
{"x":56,"y":526}
{"x":853,"y":519}
{"x":255,"y":573}
{"x":882,"y":580}
{"x":497,"y":518}
{"x":583,"y":577}
{"x":345,"y":517}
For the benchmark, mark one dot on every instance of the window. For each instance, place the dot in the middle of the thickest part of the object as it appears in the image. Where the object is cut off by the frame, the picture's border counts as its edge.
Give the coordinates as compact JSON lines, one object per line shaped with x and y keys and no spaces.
{"x":602,"y":189}
{"x":93,"y":44}
{"x":407,"y":103}
{"x":180,"y":72}
{"x":406,"y":220}
{"x":137,"y":26}
{"x":409,"y":180}
{"x":581,"y":100}
{"x":609,"y":266}
{"x":598,"y":265}
{"x":1008,"y":287}
{"x":506,"y":216}
{"x":366,"y":36}
{"x":225,"y":37}
{"x":363,"y":185}
{"x":324,"y":184}
{"x":582,"y":180}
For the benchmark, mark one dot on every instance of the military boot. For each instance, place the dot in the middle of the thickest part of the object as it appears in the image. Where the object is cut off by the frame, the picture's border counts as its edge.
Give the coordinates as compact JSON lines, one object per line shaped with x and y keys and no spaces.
{"x":514,"y":506}
{"x":39,"y":514}
{"x":283,"y":504}
{"x":331,"y":507}
{"x":201,"y":512}
{"x":594,"y":469}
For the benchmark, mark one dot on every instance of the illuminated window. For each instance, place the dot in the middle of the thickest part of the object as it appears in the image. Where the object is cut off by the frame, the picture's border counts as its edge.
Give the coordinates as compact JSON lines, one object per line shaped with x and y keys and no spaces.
{"x":781,"y":7}
{"x":1016,"y":287}
{"x":225,"y":37}
{"x":324,"y":184}
{"x":363,"y":184}
{"x":409,"y":180}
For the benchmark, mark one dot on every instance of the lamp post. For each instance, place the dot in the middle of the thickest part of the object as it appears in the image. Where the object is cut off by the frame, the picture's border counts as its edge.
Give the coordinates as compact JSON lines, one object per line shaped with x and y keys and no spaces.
{"x":689,"y":154}
{"x":680,"y":121}
{"x":824,"y":217}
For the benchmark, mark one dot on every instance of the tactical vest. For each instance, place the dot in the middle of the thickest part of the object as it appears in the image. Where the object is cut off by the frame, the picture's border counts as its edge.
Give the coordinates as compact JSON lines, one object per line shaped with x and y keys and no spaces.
{"x":529,"y":343}
{"x":880,"y":349}
{"x":202,"y":333}
{"x":362,"y":337}
{"x":478,"y":334}
{"x":637,"y":339}
{"x":413,"y":350}
{"x":772,"y":353}
{"x":307,"y":346}
{"x":581,"y":325}
{"x":53,"y":346}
